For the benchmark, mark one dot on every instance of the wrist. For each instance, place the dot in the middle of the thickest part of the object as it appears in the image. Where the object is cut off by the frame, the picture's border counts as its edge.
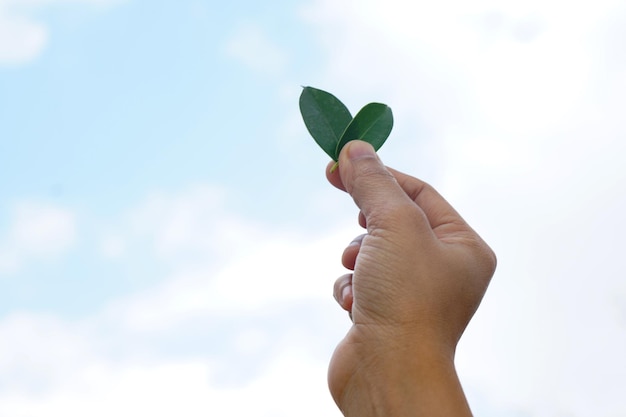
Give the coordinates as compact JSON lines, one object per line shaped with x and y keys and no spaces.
{"x":405,"y":382}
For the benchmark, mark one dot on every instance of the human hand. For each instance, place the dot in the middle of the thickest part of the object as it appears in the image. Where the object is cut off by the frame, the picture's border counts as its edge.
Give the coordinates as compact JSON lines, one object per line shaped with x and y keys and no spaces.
{"x":419,"y":275}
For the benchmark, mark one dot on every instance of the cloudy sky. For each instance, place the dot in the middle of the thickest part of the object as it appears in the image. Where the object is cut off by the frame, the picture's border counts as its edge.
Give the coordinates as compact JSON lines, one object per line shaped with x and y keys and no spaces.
{"x":168,"y":242}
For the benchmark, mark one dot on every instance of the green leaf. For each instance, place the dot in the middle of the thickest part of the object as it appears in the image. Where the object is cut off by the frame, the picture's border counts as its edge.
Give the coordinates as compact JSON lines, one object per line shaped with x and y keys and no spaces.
{"x":372,"y":124}
{"x":331,"y":125}
{"x":325,"y":117}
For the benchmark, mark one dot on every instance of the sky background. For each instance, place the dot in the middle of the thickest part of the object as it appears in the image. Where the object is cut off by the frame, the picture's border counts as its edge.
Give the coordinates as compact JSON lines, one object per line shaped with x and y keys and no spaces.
{"x":168,"y":241}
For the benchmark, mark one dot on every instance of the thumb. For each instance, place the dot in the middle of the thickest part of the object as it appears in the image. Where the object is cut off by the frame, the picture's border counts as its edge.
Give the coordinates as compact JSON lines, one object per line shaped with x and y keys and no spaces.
{"x":373,"y":188}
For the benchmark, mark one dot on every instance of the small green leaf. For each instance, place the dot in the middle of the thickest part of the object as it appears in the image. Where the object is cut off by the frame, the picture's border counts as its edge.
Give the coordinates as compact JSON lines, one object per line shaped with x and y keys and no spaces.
{"x":325,"y":117}
{"x":331,"y":125}
{"x":372,"y":124}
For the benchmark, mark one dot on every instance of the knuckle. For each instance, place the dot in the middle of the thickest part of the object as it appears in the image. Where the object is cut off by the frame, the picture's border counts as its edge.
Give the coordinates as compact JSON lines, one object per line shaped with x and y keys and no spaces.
{"x":373,"y":171}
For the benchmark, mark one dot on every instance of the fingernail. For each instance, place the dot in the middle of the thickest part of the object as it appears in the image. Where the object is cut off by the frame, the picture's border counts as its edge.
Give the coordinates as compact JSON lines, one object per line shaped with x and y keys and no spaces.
{"x":357,"y":240}
{"x":358,"y":149}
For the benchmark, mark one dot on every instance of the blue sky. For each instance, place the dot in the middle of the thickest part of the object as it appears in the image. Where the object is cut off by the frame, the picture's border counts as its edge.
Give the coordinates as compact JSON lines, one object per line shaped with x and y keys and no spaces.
{"x":136,"y":97}
{"x":117,"y":89}
{"x":168,"y":242}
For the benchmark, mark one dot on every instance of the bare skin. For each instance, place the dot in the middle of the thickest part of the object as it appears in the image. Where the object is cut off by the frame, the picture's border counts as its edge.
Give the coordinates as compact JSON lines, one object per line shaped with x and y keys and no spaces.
{"x":419,"y":274}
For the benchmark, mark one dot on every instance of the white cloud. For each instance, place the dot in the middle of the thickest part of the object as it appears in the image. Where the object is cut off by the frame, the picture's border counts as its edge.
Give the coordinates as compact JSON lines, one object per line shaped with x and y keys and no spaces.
{"x":43,"y":229}
{"x":22,"y":37}
{"x":515,"y":111}
{"x":192,"y":224}
{"x":252,"y":46}
{"x":104,"y":386}
{"x":219,"y":263}
{"x":112,"y":246}
{"x":452,"y":66}
{"x":39,"y":352}
{"x":21,"y":40}
{"x":210,"y":335}
{"x":276,"y":271}
{"x":36,"y":231}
